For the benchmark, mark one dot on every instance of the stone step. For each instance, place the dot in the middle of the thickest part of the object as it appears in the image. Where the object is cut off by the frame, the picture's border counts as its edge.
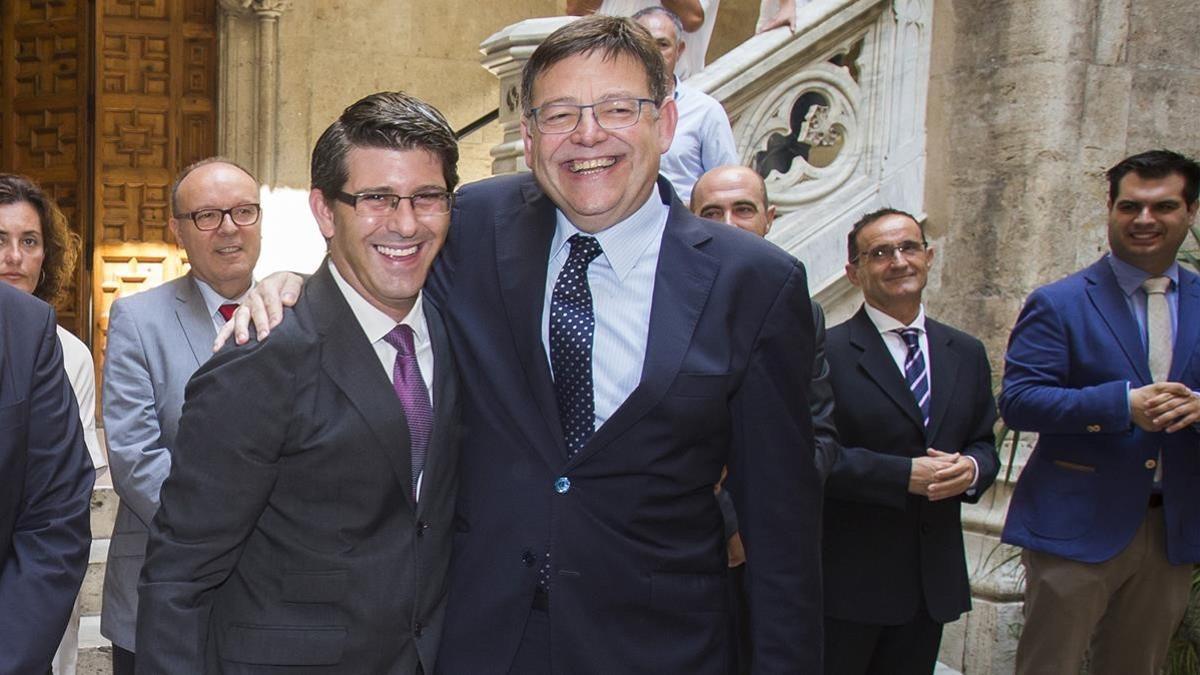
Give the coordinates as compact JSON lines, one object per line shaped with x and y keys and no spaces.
{"x":95,"y":651}
{"x":93,"y":581}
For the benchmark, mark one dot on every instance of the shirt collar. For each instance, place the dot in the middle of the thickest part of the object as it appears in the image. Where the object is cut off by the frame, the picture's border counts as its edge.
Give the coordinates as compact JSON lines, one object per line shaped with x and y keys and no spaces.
{"x":1130,"y":278}
{"x":623,"y":243}
{"x":374,"y":322}
{"x":886,"y":323}
{"x":213,"y":300}
{"x":676,"y":93}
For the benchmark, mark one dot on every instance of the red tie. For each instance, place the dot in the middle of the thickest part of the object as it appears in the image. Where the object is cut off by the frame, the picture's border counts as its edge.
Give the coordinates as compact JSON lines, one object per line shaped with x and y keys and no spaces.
{"x":227,"y":310}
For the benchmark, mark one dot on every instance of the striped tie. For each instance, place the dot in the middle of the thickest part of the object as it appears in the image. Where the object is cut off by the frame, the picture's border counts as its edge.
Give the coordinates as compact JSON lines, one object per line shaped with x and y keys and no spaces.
{"x":914,"y":370}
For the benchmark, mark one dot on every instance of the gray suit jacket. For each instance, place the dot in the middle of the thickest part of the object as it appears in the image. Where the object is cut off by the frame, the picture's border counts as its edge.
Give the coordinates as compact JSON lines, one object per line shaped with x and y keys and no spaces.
{"x":288,"y":536}
{"x":156,"y":340}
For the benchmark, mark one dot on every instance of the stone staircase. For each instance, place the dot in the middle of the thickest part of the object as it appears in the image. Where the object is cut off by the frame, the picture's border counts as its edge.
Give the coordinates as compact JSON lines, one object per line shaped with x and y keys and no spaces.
{"x":95,"y":652}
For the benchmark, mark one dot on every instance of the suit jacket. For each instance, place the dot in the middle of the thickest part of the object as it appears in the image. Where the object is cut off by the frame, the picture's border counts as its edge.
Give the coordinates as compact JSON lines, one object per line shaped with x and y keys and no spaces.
{"x":288,"y":535}
{"x":1083,"y":492}
{"x":888,"y":553}
{"x":45,"y":487}
{"x":638,"y":553}
{"x":156,"y":340}
{"x":820,"y":402}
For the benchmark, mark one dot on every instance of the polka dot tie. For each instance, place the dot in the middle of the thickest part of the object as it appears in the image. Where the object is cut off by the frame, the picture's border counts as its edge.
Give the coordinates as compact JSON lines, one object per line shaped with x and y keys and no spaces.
{"x":915,"y":372}
{"x":414,"y":397}
{"x":572,"y":326}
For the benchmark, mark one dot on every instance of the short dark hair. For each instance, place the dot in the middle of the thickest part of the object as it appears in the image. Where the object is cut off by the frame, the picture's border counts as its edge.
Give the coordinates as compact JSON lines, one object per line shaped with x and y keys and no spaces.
{"x":61,"y":246}
{"x":869,"y":218}
{"x":659,"y":9}
{"x":187,"y":170}
{"x":1157,"y":164}
{"x":611,"y":36}
{"x":391,"y":120}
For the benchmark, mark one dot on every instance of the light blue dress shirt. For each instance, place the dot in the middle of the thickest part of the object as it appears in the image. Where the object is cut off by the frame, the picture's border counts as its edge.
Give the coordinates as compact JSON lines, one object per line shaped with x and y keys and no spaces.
{"x":703,"y":140}
{"x":622,"y":285}
{"x":1130,"y":279}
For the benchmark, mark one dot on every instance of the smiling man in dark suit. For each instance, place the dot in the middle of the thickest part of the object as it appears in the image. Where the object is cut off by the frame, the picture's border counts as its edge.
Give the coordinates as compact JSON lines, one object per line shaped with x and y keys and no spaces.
{"x":616,"y":352}
{"x":914,"y":410}
{"x":305,"y":524}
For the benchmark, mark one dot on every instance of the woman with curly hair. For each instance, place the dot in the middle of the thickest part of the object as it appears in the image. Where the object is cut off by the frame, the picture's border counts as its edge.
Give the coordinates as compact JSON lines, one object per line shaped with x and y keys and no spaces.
{"x":38,"y":255}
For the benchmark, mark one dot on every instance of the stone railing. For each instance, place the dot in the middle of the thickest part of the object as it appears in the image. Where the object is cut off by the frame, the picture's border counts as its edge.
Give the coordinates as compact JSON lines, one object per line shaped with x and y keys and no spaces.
{"x":832,"y":115}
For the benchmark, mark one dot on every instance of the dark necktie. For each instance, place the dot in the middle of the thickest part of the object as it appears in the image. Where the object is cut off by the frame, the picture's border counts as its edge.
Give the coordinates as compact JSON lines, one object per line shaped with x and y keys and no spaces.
{"x":915,"y":372}
{"x":228,"y":309}
{"x":572,"y":326}
{"x":414,"y":397}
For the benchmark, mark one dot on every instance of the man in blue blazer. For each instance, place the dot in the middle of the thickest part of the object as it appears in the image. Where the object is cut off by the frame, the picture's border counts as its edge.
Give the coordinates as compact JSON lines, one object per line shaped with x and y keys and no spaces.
{"x":45,"y":486}
{"x":1101,"y":365}
{"x":616,"y":352}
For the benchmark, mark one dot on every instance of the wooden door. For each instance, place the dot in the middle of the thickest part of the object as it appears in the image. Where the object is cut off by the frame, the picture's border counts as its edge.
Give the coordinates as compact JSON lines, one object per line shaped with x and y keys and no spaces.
{"x":155,"y":103}
{"x":44,"y":84}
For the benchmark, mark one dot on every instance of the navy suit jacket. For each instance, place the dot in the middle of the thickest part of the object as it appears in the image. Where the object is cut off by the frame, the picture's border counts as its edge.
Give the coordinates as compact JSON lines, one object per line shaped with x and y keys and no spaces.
{"x":638,"y":552}
{"x":46,"y":481}
{"x":1083,"y":492}
{"x":888,"y":553}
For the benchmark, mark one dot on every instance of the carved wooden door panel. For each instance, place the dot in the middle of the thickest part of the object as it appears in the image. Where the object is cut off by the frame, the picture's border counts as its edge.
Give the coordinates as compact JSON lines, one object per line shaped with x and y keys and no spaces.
{"x":155,"y":106}
{"x":44,"y":66}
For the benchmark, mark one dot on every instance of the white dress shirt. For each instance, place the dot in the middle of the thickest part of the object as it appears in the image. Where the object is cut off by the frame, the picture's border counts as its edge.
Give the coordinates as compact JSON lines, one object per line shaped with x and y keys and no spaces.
{"x":375,"y":324}
{"x":213,"y":301}
{"x":622,"y":285}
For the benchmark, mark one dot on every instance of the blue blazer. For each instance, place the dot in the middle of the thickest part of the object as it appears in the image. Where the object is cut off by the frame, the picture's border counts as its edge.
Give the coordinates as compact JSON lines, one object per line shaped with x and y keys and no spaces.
{"x":1084,"y":490}
{"x":45,"y":487}
{"x":639,"y":577}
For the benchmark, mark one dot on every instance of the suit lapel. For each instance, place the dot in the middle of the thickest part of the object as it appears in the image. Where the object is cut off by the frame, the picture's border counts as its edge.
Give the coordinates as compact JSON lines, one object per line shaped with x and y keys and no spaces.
{"x":351,"y":363}
{"x":878,"y":365}
{"x":682,"y":283}
{"x":523,"y":238}
{"x":943,"y":370}
{"x":1187,"y":324}
{"x":194,"y":320}
{"x":440,"y":457}
{"x":1110,"y":304}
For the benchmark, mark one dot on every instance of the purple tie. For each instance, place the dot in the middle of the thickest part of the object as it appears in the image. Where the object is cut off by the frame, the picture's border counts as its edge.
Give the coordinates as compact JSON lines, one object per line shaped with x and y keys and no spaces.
{"x":414,"y":397}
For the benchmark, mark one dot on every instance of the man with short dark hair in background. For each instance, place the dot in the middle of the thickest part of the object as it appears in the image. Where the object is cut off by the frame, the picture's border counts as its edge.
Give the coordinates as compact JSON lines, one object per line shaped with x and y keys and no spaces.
{"x":156,"y":340}
{"x":914,"y":412}
{"x":703,"y":138}
{"x":1102,"y":366}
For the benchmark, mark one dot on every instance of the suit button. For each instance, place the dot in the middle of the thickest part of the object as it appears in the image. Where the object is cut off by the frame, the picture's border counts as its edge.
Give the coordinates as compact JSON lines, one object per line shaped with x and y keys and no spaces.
{"x":562,"y":485}
{"x":418,"y":629}
{"x":1093,"y":428}
{"x":528,"y":558}
{"x":421,"y":527}
{"x":1151,"y":464}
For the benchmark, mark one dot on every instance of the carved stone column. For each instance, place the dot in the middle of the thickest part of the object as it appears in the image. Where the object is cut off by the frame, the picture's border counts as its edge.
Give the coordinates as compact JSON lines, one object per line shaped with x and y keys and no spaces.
{"x":249,"y":86}
{"x":505,"y":54}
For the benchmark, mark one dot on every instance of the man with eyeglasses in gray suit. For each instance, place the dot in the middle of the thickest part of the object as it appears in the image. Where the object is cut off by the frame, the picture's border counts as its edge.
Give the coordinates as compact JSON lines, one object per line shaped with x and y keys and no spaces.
{"x":156,"y":341}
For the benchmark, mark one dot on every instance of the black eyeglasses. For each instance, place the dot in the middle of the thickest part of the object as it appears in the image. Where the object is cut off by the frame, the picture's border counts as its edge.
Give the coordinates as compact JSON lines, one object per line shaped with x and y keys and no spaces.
{"x":242,"y":215}
{"x":885,"y":253}
{"x":563,"y":118}
{"x":424,"y":204}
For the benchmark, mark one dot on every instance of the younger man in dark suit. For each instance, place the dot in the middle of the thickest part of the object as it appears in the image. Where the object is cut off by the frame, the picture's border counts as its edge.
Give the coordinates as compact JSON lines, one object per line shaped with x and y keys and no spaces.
{"x":914,"y":410}
{"x":306,"y":519}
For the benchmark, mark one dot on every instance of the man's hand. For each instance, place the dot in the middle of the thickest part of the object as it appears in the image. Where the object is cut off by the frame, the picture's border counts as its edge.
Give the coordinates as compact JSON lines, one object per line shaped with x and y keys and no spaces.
{"x":263,"y":306}
{"x":786,"y":16}
{"x":736,"y":553}
{"x":924,"y":473}
{"x":952,"y":480}
{"x":1168,"y":406}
